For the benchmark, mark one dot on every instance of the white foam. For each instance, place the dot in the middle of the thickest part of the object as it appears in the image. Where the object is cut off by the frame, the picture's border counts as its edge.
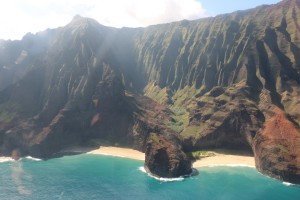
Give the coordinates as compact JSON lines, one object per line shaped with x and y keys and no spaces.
{"x":142,"y":169}
{"x":283,"y":182}
{"x":6,"y":159}
{"x":32,"y":158}
{"x":9,"y":159}
{"x":287,"y":184}
{"x":229,"y":165}
{"x":181,"y":178}
{"x":107,"y":154}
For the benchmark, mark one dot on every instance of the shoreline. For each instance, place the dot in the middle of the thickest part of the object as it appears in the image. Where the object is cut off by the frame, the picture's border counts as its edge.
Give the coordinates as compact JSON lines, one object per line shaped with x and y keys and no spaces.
{"x":219,"y":158}
{"x":119,"y":152}
{"x":225,"y":160}
{"x":5,"y":159}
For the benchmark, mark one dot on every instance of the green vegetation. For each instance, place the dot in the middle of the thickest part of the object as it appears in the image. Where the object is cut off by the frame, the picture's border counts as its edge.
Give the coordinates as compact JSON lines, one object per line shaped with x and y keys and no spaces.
{"x":283,"y":149}
{"x":175,"y":126}
{"x":183,"y":99}
{"x":190,"y":131}
{"x":6,"y":117}
{"x":186,"y":94}
{"x":8,"y":112}
{"x":196,"y":155}
{"x":223,"y":98}
{"x":180,"y":119}
{"x":155,"y":138}
{"x":154,"y":92}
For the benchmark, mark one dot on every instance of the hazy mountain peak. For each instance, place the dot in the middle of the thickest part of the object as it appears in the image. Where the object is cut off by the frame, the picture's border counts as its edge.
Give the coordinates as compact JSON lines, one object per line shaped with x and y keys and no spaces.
{"x":77,"y":17}
{"x":82,"y":27}
{"x":83,"y":22}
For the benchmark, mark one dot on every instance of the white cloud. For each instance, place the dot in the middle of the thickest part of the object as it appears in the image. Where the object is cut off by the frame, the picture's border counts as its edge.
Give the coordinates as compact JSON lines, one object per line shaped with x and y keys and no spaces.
{"x":17,"y":17}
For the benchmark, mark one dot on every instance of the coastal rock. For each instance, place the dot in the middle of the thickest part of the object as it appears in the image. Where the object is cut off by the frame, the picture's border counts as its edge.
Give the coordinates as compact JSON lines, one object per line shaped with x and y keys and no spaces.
{"x":148,"y":116}
{"x":277,"y":149}
{"x":165,"y":158}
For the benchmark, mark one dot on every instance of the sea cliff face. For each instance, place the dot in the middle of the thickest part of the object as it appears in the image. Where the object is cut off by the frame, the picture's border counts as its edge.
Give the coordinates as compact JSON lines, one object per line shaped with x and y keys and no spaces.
{"x":222,"y":82}
{"x":165,"y":157}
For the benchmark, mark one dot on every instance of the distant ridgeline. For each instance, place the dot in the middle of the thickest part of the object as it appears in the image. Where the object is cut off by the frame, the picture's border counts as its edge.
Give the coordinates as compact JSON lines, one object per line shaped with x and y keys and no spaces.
{"x":230,"y":81}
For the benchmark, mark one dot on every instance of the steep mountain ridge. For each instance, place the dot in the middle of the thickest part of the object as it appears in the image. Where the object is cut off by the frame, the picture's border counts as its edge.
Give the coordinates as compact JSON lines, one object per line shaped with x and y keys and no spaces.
{"x":220,"y":48}
{"x":213,"y":83}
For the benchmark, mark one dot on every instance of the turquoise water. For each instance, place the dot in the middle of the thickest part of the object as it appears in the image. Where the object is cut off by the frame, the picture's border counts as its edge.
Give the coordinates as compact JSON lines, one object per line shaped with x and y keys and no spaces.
{"x":91,"y":177}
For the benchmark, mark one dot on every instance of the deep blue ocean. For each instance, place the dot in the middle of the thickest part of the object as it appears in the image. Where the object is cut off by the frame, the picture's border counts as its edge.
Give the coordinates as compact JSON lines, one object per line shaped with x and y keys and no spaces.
{"x":88,"y":177}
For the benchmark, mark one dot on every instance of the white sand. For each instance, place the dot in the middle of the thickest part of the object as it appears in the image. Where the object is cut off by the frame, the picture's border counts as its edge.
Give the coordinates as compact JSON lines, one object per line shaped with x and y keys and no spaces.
{"x":224,"y":159}
{"x":218,"y":159}
{"x":120,"y":152}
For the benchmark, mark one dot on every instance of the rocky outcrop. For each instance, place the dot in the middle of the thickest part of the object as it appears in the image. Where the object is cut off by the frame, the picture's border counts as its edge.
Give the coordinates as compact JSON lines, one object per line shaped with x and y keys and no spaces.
{"x":165,"y":158}
{"x":149,"y":117}
{"x":276,"y":148}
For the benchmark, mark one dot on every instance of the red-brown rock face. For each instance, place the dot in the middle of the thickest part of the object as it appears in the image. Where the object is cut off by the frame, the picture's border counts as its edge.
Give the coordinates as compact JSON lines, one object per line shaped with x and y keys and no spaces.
{"x":277,"y":148}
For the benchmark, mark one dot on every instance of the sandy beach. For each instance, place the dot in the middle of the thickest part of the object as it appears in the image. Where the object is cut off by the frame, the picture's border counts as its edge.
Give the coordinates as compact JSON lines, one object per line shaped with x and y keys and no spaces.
{"x":120,"y":152}
{"x":224,"y":159}
{"x":218,"y":159}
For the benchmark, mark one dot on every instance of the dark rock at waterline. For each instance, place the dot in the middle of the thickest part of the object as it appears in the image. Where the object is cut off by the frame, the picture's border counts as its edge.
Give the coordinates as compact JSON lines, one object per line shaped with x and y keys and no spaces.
{"x":165,"y":158}
{"x":277,"y":148}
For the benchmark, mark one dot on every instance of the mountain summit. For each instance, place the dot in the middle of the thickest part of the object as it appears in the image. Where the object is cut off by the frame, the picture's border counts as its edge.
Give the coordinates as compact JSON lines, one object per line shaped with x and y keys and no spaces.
{"x":232,"y":81}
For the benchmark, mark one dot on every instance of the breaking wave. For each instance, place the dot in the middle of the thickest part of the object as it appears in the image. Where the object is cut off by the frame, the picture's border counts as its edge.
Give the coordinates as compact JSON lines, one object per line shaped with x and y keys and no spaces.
{"x":181,"y":178}
{"x":9,"y":159}
{"x":6,"y":159}
{"x":288,"y":184}
{"x":32,"y":158}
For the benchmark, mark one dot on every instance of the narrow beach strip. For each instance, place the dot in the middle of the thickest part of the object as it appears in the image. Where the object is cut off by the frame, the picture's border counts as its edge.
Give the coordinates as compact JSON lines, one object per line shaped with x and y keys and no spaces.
{"x":218,"y":159}
{"x":119,"y":152}
{"x":225,"y":160}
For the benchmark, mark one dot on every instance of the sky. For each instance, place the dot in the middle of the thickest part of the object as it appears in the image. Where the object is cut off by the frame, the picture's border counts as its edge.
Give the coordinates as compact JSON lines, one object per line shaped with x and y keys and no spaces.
{"x":18,"y":17}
